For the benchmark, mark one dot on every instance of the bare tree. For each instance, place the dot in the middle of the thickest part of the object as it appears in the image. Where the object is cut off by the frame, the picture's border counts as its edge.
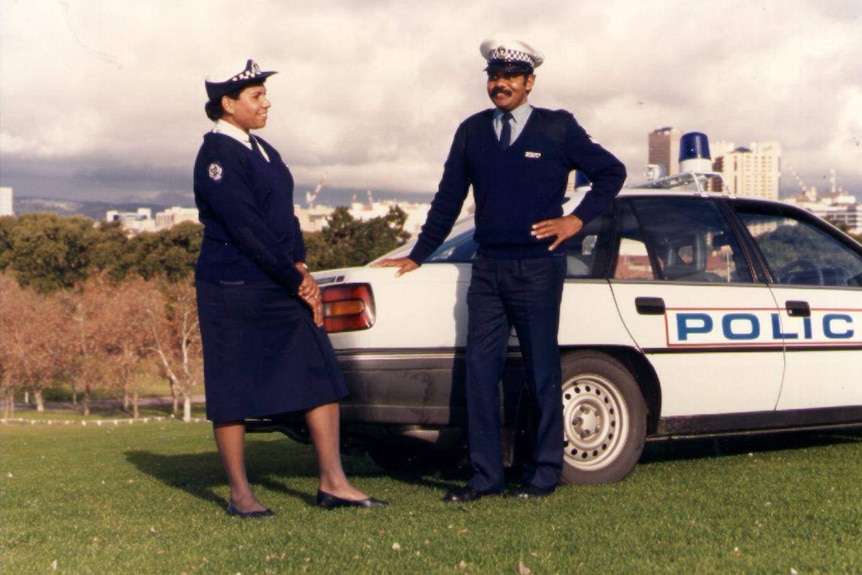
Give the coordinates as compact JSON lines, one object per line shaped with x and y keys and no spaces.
{"x":124,"y":338}
{"x":173,"y":322}
{"x":11,"y":378}
{"x":36,"y":349}
{"x":79,"y":310}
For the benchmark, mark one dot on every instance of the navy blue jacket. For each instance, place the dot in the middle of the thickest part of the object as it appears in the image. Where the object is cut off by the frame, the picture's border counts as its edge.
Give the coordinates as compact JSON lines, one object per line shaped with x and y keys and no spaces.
{"x":519,"y":186}
{"x":251,"y":234}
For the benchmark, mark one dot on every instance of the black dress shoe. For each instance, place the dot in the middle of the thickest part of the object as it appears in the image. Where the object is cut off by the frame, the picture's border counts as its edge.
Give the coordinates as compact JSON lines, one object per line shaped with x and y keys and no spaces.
{"x":530,"y":492}
{"x":233,"y":511}
{"x":465,"y":495}
{"x":329,"y":501}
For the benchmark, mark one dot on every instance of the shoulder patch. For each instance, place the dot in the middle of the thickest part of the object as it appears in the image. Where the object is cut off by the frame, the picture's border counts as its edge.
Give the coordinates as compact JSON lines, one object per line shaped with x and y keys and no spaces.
{"x":215,"y":171}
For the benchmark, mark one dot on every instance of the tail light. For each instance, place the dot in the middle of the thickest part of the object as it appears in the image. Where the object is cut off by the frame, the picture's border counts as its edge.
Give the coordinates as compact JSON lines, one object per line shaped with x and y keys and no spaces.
{"x":348,"y":307}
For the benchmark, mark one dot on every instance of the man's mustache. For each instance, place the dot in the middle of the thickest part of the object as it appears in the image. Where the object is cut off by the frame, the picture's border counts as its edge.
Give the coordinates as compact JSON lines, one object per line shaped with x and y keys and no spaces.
{"x":503,"y":91}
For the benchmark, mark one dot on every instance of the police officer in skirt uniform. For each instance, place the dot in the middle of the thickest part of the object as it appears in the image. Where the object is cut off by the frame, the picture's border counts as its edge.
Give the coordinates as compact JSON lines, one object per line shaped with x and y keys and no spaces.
{"x":265,"y":350}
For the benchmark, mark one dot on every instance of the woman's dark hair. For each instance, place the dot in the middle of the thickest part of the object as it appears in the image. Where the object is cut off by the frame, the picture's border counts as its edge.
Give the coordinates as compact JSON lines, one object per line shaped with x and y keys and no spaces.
{"x":214,"y":109}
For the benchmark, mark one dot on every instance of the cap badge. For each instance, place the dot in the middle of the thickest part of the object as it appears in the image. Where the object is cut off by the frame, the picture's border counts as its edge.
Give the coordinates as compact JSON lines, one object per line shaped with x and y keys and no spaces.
{"x":511,"y":55}
{"x":218,"y":86}
{"x":252,"y":70}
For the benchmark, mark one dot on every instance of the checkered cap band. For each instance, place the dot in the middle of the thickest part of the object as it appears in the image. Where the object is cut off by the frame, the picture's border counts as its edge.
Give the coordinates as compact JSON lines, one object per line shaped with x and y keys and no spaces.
{"x":511,"y":56}
{"x":252,"y":70}
{"x":216,"y":88}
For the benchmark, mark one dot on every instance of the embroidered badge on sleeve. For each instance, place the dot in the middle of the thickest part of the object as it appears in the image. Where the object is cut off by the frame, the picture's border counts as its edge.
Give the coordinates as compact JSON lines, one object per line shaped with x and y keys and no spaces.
{"x":215,"y":171}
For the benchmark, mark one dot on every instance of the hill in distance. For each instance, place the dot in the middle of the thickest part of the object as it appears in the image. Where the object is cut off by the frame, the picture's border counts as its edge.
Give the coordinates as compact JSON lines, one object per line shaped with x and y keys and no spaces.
{"x":96,"y":209}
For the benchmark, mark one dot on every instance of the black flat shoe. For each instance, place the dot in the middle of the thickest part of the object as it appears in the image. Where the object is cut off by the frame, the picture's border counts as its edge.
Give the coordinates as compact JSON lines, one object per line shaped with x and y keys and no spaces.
{"x":530,"y":492}
{"x":234,"y":512}
{"x":329,"y":501}
{"x":465,"y":495}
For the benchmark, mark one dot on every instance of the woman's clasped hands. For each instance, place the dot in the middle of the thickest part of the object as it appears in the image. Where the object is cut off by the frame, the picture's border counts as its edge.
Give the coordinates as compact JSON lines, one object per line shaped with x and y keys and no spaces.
{"x":310,"y":294}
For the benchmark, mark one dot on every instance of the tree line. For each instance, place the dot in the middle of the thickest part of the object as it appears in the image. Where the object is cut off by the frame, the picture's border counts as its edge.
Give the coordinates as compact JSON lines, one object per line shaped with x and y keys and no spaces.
{"x":85,"y":307}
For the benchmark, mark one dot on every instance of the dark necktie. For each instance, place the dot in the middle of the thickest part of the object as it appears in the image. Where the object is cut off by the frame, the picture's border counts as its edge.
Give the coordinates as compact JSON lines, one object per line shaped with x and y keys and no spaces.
{"x":506,"y":131}
{"x":255,"y":146}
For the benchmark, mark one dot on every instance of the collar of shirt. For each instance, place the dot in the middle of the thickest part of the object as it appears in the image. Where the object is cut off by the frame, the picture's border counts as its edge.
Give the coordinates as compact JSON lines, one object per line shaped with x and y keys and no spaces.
{"x":232,"y":131}
{"x":520,"y":115}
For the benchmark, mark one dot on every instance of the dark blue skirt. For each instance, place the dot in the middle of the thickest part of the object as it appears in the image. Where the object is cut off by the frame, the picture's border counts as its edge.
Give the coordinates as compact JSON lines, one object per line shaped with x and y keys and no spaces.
{"x":263,"y":355}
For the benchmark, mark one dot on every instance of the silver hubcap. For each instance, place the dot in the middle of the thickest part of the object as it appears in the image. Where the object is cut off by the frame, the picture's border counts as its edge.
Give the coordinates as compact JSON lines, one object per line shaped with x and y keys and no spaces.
{"x":595,"y":417}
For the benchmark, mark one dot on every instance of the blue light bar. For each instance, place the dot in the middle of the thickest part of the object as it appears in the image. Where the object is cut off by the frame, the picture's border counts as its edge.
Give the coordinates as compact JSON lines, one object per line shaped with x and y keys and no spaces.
{"x":694,"y":146}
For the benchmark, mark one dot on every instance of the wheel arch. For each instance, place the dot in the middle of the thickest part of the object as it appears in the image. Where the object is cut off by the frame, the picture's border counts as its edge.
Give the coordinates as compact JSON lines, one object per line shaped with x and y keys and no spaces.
{"x":640,"y":368}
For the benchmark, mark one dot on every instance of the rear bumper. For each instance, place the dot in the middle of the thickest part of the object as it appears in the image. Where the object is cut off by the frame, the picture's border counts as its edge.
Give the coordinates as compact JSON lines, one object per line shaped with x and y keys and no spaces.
{"x":405,"y":396}
{"x":415,"y":388}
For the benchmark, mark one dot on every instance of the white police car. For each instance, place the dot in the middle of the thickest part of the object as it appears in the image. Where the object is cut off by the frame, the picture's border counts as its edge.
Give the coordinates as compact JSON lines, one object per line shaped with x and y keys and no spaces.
{"x":684,"y":313}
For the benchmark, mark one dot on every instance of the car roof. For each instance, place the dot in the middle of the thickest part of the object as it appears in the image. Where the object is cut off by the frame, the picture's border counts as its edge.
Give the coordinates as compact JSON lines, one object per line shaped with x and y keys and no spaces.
{"x":675,"y":186}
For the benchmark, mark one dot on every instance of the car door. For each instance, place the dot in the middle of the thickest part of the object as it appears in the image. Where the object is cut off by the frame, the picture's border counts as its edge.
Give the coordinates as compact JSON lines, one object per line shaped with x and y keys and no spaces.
{"x":687,"y":294}
{"x":817,"y":274}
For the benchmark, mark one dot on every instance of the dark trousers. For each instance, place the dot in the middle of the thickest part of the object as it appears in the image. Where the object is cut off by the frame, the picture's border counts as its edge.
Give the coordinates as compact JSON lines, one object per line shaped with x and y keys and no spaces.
{"x":525,"y":294}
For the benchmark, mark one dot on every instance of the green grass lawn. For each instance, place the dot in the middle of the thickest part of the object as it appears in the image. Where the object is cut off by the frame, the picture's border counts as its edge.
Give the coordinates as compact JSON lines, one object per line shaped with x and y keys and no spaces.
{"x":150,"y":498}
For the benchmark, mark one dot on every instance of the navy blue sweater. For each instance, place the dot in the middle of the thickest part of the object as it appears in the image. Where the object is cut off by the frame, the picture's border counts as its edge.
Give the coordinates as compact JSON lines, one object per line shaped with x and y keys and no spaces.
{"x":519,"y":186}
{"x":251,"y":234}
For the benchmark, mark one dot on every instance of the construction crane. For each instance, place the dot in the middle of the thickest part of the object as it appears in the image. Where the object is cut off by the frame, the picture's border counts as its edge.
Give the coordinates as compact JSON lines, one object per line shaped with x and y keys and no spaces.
{"x":833,"y":182}
{"x":311,"y":195}
{"x":806,"y":191}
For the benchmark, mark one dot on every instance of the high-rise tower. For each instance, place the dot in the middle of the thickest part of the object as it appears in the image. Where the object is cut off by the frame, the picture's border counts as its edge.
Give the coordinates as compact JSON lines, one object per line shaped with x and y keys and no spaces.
{"x":664,"y":148}
{"x":754,"y":171}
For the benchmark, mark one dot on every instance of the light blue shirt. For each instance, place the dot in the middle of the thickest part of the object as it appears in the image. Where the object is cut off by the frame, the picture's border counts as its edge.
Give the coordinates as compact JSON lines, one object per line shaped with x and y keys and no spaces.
{"x":520,"y":115}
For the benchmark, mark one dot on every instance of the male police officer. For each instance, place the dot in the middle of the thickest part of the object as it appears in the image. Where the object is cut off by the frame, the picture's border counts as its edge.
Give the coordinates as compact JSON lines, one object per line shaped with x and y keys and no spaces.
{"x":518,"y":160}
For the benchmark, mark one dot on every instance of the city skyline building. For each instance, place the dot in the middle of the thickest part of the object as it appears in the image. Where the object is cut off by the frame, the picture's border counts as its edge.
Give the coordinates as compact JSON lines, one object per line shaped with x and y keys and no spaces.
{"x":664,"y":149}
{"x":754,"y":171}
{"x":175,"y":215}
{"x":7,"y":201}
{"x":312,"y":218}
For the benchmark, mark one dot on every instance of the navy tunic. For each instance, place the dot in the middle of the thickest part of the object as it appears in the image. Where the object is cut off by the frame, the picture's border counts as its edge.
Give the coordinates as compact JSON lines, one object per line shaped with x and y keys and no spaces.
{"x":519,"y":186}
{"x":263,"y":355}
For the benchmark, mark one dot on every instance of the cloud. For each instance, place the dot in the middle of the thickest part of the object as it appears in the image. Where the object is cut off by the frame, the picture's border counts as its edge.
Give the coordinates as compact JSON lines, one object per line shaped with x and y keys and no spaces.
{"x":371,"y":93}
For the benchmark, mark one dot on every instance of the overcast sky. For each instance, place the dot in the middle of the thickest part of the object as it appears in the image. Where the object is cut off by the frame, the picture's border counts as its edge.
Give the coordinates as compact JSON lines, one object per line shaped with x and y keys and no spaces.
{"x":104,"y":98}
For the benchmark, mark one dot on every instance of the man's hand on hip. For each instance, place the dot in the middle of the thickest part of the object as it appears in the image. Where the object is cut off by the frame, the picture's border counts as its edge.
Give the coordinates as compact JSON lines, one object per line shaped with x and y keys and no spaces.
{"x":562,"y":228}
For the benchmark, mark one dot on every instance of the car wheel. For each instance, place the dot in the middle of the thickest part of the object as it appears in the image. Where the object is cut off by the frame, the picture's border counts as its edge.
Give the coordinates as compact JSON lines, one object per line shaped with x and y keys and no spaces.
{"x":604,"y":419}
{"x":413,"y":459}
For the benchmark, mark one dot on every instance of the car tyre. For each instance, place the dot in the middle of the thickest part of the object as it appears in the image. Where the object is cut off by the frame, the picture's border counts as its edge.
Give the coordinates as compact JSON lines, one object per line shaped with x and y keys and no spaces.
{"x":604,"y":419}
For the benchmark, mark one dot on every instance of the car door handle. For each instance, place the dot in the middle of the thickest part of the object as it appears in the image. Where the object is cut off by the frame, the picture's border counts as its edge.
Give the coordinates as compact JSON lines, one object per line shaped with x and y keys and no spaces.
{"x":798,"y":308}
{"x":650,"y":305}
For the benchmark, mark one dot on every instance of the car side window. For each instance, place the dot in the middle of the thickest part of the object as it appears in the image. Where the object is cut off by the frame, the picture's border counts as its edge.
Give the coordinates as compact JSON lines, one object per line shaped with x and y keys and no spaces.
{"x":799,"y":252}
{"x":633,"y":262}
{"x":582,"y":249}
{"x":677,"y":240}
{"x":457,"y":249}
